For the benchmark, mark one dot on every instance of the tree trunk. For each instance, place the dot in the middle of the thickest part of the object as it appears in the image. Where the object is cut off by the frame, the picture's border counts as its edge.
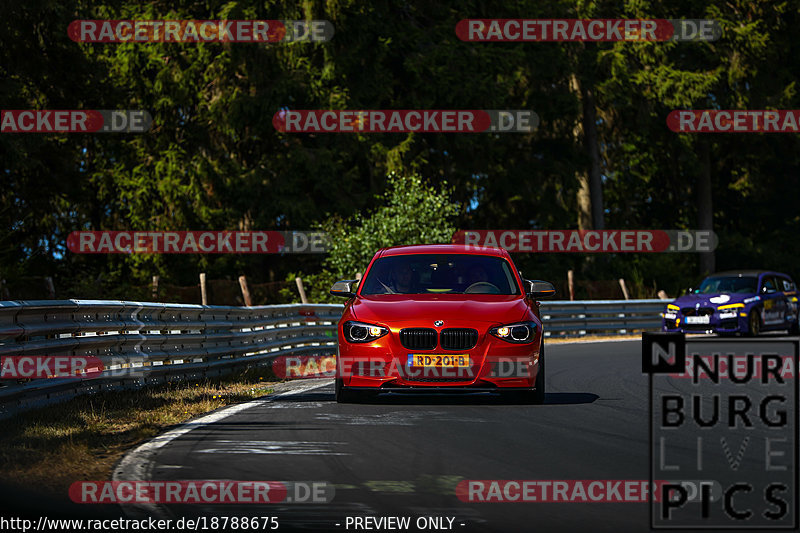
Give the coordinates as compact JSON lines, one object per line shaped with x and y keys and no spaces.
{"x":590,"y":140}
{"x":591,"y":214}
{"x":705,"y":211}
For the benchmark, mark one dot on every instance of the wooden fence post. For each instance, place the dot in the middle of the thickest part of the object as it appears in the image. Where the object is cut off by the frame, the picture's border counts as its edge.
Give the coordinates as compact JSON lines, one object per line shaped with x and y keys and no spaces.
{"x":624,"y":288}
{"x":51,"y":289}
{"x":301,"y":290}
{"x":155,"y":288}
{"x":245,"y":291}
{"x":571,"y":284}
{"x":203,"y":293}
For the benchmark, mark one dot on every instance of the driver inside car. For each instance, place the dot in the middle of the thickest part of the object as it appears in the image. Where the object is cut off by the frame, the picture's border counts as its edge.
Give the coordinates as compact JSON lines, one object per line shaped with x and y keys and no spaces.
{"x":477,"y":274}
{"x":403,"y":279}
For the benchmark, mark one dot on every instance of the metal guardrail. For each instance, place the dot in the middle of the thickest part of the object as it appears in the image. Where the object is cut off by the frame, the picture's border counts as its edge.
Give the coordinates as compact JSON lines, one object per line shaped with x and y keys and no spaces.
{"x":147,"y":343}
{"x":610,"y":317}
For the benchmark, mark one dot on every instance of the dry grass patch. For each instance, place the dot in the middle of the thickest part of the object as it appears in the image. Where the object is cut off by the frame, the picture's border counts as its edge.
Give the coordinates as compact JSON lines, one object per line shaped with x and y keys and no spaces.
{"x":82,"y":439}
{"x":591,"y":338}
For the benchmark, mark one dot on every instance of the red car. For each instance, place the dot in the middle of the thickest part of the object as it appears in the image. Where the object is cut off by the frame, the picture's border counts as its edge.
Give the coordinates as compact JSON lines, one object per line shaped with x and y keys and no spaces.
{"x":441,"y":318}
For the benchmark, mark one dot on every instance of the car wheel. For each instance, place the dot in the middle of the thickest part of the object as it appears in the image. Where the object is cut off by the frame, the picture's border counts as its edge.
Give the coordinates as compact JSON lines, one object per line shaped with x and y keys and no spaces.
{"x":753,"y":323}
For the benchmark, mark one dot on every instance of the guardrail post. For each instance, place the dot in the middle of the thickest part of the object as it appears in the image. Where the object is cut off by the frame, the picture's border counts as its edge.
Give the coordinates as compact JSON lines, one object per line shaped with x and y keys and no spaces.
{"x":203,"y":294}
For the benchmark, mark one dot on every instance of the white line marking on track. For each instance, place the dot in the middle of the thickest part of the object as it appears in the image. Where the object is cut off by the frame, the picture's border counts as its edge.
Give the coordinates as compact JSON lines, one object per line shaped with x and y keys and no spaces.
{"x":272,"y":447}
{"x":138,"y":464}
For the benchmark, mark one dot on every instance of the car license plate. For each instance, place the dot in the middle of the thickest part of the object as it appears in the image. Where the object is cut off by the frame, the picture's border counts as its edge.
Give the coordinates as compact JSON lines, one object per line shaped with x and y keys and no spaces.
{"x":444,"y":360}
{"x":698,"y":319}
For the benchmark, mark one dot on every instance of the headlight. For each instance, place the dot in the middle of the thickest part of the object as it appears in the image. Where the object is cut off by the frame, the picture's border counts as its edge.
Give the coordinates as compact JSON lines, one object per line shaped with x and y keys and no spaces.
{"x":520,"y":333}
{"x":360,"y":332}
{"x":729,"y":311}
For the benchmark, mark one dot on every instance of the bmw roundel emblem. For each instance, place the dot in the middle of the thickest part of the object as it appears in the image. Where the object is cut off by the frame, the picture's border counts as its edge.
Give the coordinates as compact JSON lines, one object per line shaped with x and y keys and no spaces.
{"x":438,"y":323}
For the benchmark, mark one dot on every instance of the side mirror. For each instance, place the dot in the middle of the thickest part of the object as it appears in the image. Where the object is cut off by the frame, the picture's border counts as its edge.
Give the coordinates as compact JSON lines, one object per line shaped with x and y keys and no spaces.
{"x":345,"y":289}
{"x":539,"y":289}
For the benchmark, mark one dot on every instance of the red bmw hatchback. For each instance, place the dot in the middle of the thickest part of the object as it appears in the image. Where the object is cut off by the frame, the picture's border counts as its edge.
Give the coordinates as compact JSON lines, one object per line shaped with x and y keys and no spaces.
{"x":441,"y":318}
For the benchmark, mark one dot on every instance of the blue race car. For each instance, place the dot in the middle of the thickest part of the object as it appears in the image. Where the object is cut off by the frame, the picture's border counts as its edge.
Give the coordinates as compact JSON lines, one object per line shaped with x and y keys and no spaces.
{"x":746,"y":301}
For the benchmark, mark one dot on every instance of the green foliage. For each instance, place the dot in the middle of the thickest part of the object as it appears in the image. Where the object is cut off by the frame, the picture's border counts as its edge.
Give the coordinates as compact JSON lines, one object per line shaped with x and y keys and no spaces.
{"x":411,"y":211}
{"x":213,"y":160}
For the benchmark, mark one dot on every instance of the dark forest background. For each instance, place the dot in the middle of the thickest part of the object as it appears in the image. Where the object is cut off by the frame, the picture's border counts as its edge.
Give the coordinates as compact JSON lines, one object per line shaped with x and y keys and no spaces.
{"x":602,"y":156}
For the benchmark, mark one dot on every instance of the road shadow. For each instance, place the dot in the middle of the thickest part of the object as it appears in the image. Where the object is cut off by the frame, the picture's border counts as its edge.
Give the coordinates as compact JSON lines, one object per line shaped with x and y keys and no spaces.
{"x":569,"y":398}
{"x":467,"y":398}
{"x":305,"y":397}
{"x":442,"y":398}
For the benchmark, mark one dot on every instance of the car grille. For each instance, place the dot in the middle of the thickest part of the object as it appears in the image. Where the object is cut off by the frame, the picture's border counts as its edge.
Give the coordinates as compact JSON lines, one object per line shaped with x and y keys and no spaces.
{"x":702,"y":311}
{"x":418,"y":338}
{"x":458,"y":338}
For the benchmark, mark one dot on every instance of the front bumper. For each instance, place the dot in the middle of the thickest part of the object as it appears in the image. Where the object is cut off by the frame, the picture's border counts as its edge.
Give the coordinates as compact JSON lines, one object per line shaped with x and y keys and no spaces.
{"x":383,"y":363}
{"x":716,"y":324}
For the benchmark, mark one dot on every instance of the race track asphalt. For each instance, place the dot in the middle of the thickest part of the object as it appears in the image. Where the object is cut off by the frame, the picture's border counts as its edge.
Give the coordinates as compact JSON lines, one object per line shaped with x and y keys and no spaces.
{"x":403,"y":456}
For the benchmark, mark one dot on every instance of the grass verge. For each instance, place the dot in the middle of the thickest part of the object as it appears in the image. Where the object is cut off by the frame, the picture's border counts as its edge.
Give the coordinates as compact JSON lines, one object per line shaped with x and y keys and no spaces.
{"x":83,"y":438}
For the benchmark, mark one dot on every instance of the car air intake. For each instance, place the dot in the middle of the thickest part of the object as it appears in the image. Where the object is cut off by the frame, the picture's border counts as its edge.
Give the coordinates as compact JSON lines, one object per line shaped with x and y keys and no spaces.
{"x":459,"y":338}
{"x":702,"y":311}
{"x":418,"y":338}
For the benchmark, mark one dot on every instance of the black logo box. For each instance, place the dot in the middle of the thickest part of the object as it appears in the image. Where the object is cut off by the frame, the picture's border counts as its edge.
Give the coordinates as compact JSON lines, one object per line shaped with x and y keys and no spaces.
{"x":666,"y":353}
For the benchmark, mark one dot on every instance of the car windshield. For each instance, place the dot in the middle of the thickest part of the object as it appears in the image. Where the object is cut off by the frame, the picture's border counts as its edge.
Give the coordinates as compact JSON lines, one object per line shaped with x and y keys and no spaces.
{"x":440,"y":273}
{"x":727,"y":285}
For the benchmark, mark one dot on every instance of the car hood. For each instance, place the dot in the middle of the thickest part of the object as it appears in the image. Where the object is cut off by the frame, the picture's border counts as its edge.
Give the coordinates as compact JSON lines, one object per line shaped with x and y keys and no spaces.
{"x":710,"y":300}
{"x":424,"y":307}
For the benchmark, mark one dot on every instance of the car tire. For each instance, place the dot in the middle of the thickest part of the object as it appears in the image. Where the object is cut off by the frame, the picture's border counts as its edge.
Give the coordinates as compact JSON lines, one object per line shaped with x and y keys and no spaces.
{"x":537,"y":396}
{"x":347,"y":395}
{"x":341,"y":393}
{"x":753,"y":323}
